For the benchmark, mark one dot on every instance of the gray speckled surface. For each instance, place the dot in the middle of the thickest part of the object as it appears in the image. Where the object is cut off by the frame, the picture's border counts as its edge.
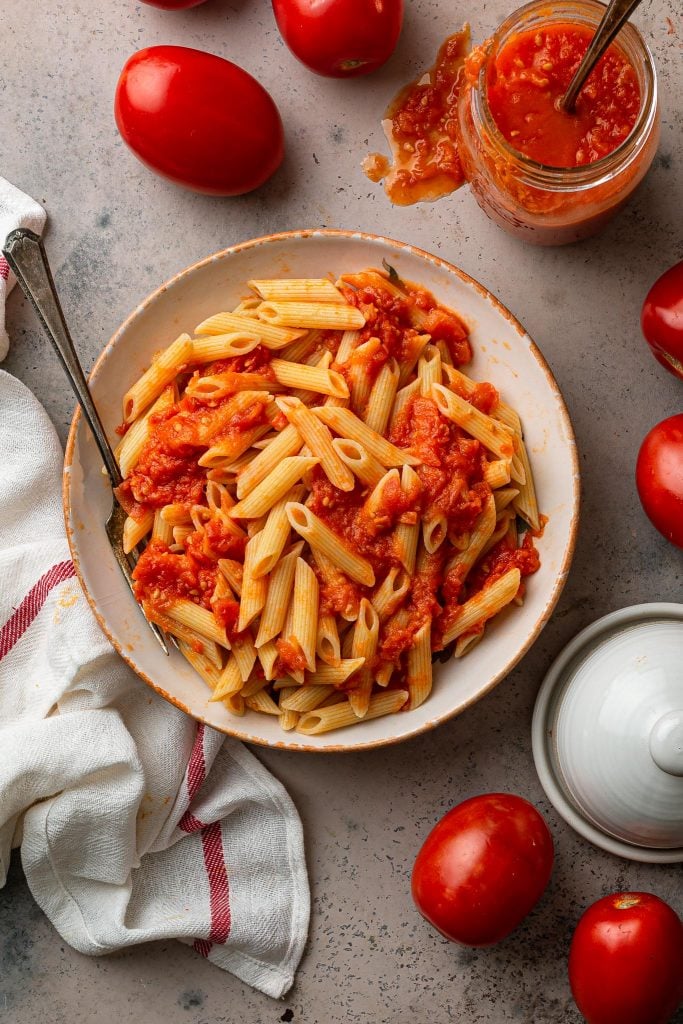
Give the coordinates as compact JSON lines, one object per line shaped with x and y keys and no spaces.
{"x":115,"y":232}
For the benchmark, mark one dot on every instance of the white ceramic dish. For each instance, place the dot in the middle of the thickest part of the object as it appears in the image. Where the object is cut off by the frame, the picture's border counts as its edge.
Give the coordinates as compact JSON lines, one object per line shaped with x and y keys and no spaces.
{"x":504,"y":355}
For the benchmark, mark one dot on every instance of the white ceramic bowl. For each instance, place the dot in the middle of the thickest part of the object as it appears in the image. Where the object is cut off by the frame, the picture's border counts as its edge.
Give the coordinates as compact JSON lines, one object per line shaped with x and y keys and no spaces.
{"x":504,"y":355}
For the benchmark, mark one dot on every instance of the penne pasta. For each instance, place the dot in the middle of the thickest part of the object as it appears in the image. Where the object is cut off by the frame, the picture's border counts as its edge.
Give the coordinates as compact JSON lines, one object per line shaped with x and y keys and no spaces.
{"x":321,"y":538}
{"x":275,"y":534}
{"x":348,"y":342}
{"x":199,"y":619}
{"x":486,"y":430}
{"x":135,"y":530}
{"x":319,"y":440}
{"x":390,"y":593}
{"x":230,"y":323}
{"x":327,"y":640}
{"x":320,"y":720}
{"x":406,"y":534}
{"x":298,"y":290}
{"x":381,"y":397}
{"x":305,"y":698}
{"x":419,"y":670}
{"x":497,"y":473}
{"x":363,"y":465}
{"x":160,"y":374}
{"x":364,"y":645}
{"x":253,"y":590}
{"x":279,"y":594}
{"x":324,"y":315}
{"x":272,"y":488}
{"x":344,"y":423}
{"x":310,"y":378}
{"x":429,"y":369}
{"x":135,"y":438}
{"x":305,"y":611}
{"x":525,"y":503}
{"x":484,"y":605}
{"x":335,"y":675}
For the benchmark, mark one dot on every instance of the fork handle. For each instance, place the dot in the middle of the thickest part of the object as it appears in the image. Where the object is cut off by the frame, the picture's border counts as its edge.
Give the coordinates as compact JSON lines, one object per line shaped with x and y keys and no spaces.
{"x":26,"y":256}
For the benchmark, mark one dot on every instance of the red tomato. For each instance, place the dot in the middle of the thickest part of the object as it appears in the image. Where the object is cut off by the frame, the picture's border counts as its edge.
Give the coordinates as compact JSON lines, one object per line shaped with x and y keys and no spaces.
{"x":659,"y":478}
{"x":626,"y":960}
{"x":482,"y":868}
{"x":662,"y":319}
{"x":173,"y":5}
{"x":340,"y":38}
{"x":199,"y":120}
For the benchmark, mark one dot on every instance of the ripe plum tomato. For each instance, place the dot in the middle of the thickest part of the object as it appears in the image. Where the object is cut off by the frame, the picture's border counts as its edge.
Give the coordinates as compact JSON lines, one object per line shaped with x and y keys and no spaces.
{"x":340,"y":38}
{"x":482,"y":868}
{"x":173,"y":5}
{"x":626,"y":960}
{"x":659,"y":478}
{"x":199,"y":120}
{"x":662,"y":319}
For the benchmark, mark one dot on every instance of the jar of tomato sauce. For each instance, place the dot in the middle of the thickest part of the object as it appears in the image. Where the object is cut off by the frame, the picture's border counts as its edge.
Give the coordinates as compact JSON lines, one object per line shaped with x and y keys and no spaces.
{"x":543,"y":175}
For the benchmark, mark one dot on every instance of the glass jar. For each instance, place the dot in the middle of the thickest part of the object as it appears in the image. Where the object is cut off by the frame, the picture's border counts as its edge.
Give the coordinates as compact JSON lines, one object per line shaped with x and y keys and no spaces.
{"x":554,"y":205}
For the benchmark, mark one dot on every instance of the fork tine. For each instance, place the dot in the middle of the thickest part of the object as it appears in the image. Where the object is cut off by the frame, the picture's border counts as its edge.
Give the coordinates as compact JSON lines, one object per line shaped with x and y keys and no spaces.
{"x":114,"y":531}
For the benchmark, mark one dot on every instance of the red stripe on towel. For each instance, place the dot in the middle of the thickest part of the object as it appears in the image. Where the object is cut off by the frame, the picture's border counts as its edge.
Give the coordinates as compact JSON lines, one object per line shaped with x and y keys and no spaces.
{"x":212,"y":847}
{"x":4,"y":268}
{"x":20,"y":620}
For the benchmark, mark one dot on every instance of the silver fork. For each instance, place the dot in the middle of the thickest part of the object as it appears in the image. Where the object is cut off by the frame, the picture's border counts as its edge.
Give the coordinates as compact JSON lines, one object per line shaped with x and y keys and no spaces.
{"x":25,"y":253}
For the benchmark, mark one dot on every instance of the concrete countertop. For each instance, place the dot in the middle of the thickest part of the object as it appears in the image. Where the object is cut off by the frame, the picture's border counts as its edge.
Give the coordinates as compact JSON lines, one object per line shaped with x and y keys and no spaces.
{"x":115,"y":232}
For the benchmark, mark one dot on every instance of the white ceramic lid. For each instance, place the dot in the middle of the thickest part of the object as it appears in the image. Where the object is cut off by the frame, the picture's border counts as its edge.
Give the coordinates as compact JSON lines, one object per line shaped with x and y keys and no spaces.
{"x":608,"y":733}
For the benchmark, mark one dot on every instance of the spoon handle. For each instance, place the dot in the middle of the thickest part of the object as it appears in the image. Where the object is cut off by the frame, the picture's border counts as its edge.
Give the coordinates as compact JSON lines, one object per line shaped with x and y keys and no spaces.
{"x":26,"y":256}
{"x":614,"y":17}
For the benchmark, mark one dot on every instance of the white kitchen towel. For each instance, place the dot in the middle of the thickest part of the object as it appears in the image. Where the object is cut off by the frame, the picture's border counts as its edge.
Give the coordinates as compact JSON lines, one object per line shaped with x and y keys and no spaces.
{"x":17,"y":210}
{"x":135,"y":823}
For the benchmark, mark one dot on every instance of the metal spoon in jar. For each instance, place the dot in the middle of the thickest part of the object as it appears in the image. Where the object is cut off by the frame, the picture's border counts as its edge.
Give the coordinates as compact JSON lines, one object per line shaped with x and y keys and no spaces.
{"x":614,"y":17}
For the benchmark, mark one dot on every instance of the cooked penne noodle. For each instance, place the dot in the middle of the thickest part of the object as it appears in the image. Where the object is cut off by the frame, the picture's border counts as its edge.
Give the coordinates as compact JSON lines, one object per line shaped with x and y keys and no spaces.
{"x":288,"y":719}
{"x":391,"y":592}
{"x":319,"y":440}
{"x":368,"y":470}
{"x":218,"y":385}
{"x":253,"y":591}
{"x":464,"y":644}
{"x":327,"y":640}
{"x":444,"y":352}
{"x":321,"y":538}
{"x":135,"y":438}
{"x":419,"y":670}
{"x":324,"y":315}
{"x":198,"y":618}
{"x":305,"y":698}
{"x":419,"y":343}
{"x":230,"y":680}
{"x":233,"y":572}
{"x":503,"y":497}
{"x":234,"y":703}
{"x":218,"y":497}
{"x":381,"y":398}
{"x":161,"y":529}
{"x":525,"y":504}
{"x":484,"y":605}
{"x":275,"y":534}
{"x":244,"y":653}
{"x":344,"y":423}
{"x":297,"y":351}
{"x":159,"y":375}
{"x":485,"y":524}
{"x":486,"y":430}
{"x":357,"y":371}
{"x":402,"y":398}
{"x":348,"y":342}
{"x":384,"y":672}
{"x":201,"y":664}
{"x":207,"y":648}
{"x":497,"y":473}
{"x":429,"y":369}
{"x":375,"y":505}
{"x":268,"y":655}
{"x":134,"y":530}
{"x":272,"y":488}
{"x":406,"y":534}
{"x":262,"y":702}
{"x":306,"y":289}
{"x":320,"y":720}
{"x":287,"y":443}
{"x":434,"y":530}
{"x":310,"y":378}
{"x":364,"y":645}
{"x":225,"y":323}
{"x":247,"y":307}
{"x":334,"y":578}
{"x":335,"y":675}
{"x":305,"y":611}
{"x":280,"y":588}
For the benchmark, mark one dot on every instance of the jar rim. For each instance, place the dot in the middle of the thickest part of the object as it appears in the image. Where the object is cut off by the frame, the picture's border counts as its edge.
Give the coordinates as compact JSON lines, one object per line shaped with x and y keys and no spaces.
{"x":583,"y":176}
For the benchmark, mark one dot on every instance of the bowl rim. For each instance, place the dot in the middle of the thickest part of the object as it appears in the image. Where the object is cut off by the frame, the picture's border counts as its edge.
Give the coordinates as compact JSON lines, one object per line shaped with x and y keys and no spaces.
{"x":561,"y":575}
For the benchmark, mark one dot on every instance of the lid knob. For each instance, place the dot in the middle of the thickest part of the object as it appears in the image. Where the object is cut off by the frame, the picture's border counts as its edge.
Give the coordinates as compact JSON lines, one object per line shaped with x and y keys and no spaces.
{"x":666,"y":742}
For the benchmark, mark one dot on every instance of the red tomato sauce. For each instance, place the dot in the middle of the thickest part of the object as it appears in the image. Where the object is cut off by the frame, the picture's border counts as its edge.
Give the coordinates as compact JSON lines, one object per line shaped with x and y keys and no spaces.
{"x":167,"y":471}
{"x":398,"y":321}
{"x":421,"y":125}
{"x":161,"y":576}
{"x":452,"y":467}
{"x":532,"y":72}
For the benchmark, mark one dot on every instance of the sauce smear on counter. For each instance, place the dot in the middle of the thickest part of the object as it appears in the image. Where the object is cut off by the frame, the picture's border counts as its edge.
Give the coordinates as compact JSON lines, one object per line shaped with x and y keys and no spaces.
{"x":532,"y":72}
{"x":421,"y":128}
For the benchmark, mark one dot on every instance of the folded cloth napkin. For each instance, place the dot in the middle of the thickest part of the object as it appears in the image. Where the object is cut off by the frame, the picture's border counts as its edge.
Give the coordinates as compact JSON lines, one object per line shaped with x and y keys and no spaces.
{"x":17,"y":210}
{"x":134,"y":822}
